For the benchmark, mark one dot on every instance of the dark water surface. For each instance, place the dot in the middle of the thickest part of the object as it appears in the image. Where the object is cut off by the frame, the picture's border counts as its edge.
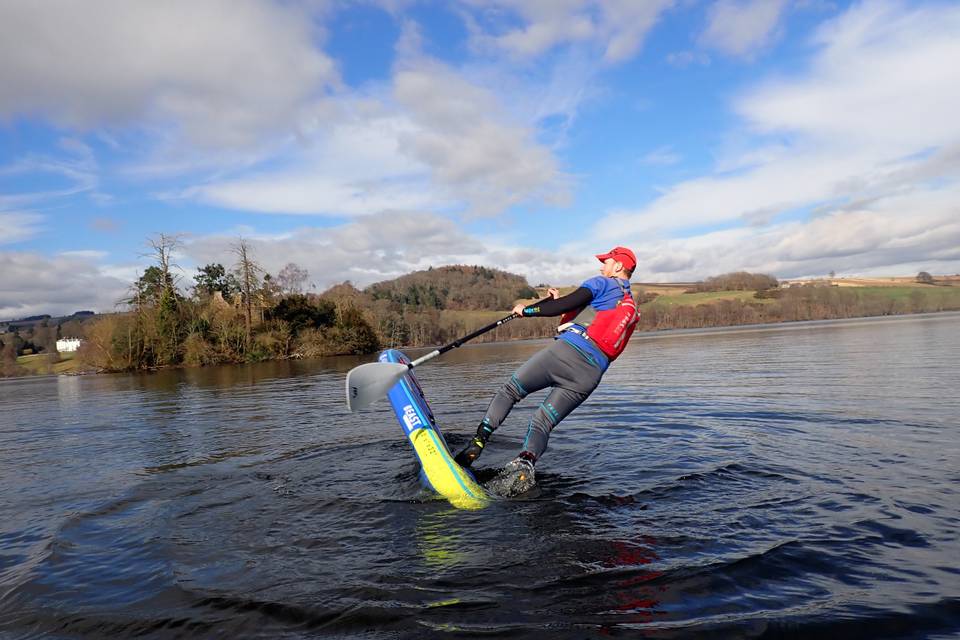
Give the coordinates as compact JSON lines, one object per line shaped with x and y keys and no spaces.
{"x":800,"y":481}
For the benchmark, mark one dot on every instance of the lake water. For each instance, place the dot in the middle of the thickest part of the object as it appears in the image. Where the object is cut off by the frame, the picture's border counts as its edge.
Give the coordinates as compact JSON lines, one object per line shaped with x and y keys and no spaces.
{"x":796,"y":481}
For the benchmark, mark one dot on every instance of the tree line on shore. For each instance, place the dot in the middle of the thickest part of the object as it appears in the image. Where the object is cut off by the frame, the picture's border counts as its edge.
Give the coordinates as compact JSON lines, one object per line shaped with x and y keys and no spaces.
{"x":736,"y":281}
{"x":808,"y":302}
{"x":242,"y":313}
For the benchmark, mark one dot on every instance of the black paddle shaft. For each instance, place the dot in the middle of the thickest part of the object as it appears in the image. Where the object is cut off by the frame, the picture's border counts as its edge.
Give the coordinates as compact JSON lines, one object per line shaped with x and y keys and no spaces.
{"x":502,"y":321}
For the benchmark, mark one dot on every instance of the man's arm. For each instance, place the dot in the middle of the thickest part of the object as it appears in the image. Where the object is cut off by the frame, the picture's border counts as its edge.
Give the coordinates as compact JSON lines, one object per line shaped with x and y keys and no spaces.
{"x":580,"y":298}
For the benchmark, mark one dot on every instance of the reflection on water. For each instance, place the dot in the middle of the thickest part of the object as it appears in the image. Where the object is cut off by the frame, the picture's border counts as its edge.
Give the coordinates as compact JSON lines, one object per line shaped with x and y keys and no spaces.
{"x":795,"y":481}
{"x":440,"y":548}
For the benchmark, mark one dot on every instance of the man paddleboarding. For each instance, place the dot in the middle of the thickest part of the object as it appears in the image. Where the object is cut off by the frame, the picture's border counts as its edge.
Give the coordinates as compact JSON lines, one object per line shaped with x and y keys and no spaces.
{"x":596,"y":323}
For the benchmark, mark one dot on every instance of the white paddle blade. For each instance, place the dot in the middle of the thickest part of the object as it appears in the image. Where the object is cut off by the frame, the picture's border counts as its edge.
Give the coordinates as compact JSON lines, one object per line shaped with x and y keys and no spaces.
{"x":370,"y":382}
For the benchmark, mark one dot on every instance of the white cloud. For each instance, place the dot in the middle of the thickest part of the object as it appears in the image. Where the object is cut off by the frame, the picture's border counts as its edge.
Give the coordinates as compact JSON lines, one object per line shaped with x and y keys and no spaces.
{"x":889,"y":236}
{"x":314,"y":193}
{"x":351,"y":166}
{"x":32,"y":284}
{"x":545,"y":101}
{"x":742,"y":27}
{"x":618,"y":27}
{"x":880,"y":80}
{"x":224,"y":72}
{"x":93,"y":254}
{"x":244,"y":85}
{"x":871,"y":122}
{"x":470,"y":144}
{"x":430,"y":141}
{"x":385,"y":246}
{"x":661,"y":156}
{"x":76,"y":169}
{"x":626,"y":23}
{"x":370,"y":248}
{"x":16,"y":227}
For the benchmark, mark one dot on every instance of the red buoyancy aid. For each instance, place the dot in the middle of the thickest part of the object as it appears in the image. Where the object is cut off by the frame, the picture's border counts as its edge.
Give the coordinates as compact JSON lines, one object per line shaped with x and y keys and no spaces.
{"x":611,"y":329}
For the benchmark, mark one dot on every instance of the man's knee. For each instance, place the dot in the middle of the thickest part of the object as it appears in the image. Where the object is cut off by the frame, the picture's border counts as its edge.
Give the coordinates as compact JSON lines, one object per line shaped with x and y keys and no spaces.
{"x":514,"y":388}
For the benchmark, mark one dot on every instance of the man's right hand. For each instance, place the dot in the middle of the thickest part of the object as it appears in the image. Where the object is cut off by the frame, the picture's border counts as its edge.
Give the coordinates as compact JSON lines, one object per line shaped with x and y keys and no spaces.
{"x":518,"y":309}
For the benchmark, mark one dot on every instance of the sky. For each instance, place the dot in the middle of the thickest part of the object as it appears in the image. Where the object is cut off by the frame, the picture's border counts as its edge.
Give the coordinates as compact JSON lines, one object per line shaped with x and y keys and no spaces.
{"x":366,"y":139}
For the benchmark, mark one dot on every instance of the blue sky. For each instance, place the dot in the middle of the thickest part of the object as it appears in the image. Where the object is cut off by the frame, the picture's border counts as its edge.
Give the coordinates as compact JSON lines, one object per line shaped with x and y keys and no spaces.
{"x":363,"y":140}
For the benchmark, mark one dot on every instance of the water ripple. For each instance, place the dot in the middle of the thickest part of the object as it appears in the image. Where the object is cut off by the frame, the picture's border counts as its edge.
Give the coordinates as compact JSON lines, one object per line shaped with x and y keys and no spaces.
{"x":791,"y":482}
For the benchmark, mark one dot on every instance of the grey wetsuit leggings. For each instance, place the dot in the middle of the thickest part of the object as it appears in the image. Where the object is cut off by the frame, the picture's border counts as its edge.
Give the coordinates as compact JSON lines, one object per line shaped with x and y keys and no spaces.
{"x":560,"y":366}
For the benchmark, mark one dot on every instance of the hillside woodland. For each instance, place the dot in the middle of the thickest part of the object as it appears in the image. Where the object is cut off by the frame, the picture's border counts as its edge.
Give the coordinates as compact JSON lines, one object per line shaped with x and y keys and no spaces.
{"x":244,"y":314}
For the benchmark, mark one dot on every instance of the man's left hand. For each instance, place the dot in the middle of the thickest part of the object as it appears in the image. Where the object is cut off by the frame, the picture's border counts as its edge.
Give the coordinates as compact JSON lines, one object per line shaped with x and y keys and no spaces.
{"x":518,"y":309}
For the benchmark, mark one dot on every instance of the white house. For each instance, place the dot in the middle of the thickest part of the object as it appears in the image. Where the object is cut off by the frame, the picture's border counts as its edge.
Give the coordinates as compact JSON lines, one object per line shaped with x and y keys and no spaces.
{"x":68,"y":344}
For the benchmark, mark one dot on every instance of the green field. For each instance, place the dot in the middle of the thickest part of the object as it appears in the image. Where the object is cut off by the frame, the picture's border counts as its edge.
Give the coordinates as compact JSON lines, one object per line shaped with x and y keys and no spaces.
{"x":693,"y":299}
{"x":947,"y":296}
{"x":38,"y":364}
{"x":944,"y":294}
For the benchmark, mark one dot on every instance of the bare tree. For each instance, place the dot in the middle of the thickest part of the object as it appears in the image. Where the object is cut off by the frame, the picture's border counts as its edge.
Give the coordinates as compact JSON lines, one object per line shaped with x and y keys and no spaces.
{"x":248,"y":272}
{"x":162,"y":248}
{"x":166,"y":311}
{"x":157,"y":280}
{"x":292,"y":278}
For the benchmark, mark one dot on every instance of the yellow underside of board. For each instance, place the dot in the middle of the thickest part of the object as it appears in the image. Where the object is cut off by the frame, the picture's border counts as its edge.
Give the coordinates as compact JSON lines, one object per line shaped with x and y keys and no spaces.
{"x":445,"y":475}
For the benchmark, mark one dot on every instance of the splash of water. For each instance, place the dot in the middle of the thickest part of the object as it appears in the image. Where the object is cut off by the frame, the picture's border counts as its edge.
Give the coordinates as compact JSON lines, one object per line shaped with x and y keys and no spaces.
{"x":517,"y":477}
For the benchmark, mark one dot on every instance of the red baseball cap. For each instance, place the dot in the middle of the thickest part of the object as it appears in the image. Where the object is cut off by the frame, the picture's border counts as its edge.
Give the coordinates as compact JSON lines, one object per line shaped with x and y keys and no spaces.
{"x":622,"y":255}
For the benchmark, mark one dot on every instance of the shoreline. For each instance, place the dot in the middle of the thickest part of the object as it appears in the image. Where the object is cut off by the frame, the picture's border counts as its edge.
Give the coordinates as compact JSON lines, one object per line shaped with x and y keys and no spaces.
{"x":788,"y":325}
{"x":793,"y":325}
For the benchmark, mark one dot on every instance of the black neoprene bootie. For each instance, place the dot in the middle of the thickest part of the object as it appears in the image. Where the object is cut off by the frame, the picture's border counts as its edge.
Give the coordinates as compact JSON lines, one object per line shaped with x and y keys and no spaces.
{"x":470,"y":453}
{"x":475,"y":447}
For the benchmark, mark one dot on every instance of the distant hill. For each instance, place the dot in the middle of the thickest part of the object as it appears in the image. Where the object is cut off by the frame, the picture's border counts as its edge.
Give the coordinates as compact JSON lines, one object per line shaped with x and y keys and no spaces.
{"x":436,"y":305}
{"x":457,"y":287}
{"x":32,"y":320}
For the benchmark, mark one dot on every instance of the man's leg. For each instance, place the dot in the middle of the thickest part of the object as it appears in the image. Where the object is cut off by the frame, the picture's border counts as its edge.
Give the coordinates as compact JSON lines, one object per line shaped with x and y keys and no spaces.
{"x":532,"y":376}
{"x":573,"y":379}
{"x":558,"y":405}
{"x":579,"y":382}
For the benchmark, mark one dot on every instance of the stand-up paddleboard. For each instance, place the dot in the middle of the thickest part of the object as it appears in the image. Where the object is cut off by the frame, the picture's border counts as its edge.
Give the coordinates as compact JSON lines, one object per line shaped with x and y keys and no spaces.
{"x":438,"y":472}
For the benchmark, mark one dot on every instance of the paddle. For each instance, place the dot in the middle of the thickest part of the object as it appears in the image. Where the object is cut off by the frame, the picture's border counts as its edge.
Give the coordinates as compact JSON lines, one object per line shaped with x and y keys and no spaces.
{"x":371,"y":381}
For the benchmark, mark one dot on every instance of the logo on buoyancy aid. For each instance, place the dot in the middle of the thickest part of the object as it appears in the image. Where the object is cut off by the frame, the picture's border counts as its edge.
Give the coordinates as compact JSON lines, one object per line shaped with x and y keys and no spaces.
{"x":410,"y":417}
